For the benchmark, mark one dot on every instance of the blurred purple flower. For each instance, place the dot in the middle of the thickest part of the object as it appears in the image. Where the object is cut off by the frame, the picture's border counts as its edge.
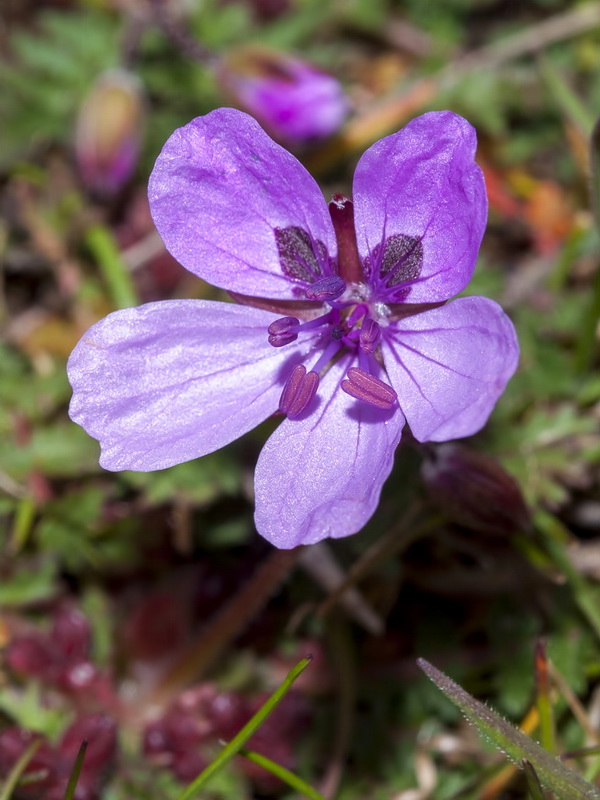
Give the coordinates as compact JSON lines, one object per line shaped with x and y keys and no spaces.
{"x":109,"y":131}
{"x":294,"y":101}
{"x":347,"y":313}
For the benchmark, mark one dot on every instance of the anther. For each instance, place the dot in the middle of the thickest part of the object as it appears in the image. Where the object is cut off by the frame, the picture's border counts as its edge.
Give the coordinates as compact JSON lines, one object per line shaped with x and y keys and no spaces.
{"x":370,"y":333}
{"x":283,"y":331}
{"x":326,"y":289}
{"x":366,"y":387}
{"x":299,"y":390}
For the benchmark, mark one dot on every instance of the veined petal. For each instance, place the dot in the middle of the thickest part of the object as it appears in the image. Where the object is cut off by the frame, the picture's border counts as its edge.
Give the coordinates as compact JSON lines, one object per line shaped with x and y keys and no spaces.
{"x":170,"y":381}
{"x":420,"y":203}
{"x":449,"y":365}
{"x":322,"y":475}
{"x":238,"y":210}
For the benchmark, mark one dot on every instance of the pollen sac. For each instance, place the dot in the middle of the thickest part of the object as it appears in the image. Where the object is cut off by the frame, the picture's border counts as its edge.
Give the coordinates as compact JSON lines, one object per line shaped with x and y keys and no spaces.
{"x":366,"y":387}
{"x":283,"y":331}
{"x":326,"y":289}
{"x":299,"y":390}
{"x":370,"y":334}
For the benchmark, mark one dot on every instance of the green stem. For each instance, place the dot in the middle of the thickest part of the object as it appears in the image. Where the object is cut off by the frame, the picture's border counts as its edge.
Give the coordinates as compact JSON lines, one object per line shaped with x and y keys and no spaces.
{"x":235,"y":745}
{"x":555,"y":534}
{"x":282,"y":773}
{"x":18,"y":770}
{"x":117,"y":277}
{"x":543,"y":701}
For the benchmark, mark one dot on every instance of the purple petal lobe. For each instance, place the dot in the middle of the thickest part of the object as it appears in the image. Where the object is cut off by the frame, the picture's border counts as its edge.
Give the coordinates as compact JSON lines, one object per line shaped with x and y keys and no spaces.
{"x":326,"y":289}
{"x":299,"y":390}
{"x":420,"y":193}
{"x":366,"y":387}
{"x":220,"y":190}
{"x":449,"y":365}
{"x":322,"y":475}
{"x":170,"y":381}
{"x":283,"y":331}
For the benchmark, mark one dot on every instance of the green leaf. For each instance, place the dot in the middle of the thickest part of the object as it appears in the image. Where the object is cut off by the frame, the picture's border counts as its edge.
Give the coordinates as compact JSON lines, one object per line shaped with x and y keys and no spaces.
{"x":199,"y":482}
{"x":68,"y":523}
{"x":54,"y":68}
{"x":29,"y":710}
{"x":29,"y":585}
{"x":533,"y":782}
{"x":62,"y":450}
{"x":552,"y":773}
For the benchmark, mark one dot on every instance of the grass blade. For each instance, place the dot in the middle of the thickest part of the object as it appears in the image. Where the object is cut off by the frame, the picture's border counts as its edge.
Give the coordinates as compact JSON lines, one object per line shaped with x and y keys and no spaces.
{"x":235,"y":745}
{"x":282,"y":773}
{"x":103,"y":247}
{"x":76,"y":771}
{"x":18,"y":770}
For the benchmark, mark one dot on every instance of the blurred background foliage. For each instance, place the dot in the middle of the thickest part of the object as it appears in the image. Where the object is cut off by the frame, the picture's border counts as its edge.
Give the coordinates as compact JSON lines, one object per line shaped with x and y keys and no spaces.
{"x":147,"y":602}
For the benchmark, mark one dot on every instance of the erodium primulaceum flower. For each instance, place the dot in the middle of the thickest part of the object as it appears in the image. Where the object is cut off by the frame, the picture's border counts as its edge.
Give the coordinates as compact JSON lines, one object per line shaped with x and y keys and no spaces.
{"x":342,"y":320}
{"x":293,"y":100}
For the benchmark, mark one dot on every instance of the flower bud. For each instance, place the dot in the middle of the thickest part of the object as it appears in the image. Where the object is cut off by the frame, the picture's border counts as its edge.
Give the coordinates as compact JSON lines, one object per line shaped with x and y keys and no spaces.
{"x":473,"y":490}
{"x":108,"y":132}
{"x":294,"y":101}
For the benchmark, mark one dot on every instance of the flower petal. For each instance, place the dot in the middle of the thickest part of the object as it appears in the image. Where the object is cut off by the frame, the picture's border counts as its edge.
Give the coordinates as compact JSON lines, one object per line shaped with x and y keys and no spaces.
{"x":291,"y":98}
{"x":449,"y":365}
{"x":420,"y":192}
{"x":220,"y":191}
{"x":321,"y":475}
{"x":170,"y":381}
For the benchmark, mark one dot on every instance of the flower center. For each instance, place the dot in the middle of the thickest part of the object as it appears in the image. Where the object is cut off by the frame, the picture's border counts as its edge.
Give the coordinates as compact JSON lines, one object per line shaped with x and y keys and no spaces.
{"x":347,"y":325}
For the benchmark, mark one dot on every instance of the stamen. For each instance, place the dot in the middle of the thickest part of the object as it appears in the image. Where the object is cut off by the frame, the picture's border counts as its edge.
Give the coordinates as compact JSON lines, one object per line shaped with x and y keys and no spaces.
{"x":283,"y":331}
{"x":326,"y":289}
{"x":299,"y":390}
{"x":370,"y":333}
{"x":330,"y":351}
{"x":369,"y":389}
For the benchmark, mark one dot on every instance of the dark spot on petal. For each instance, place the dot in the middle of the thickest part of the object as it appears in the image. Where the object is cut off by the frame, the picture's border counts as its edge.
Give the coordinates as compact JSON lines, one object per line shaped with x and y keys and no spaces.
{"x":402,"y":259}
{"x":299,"y":256}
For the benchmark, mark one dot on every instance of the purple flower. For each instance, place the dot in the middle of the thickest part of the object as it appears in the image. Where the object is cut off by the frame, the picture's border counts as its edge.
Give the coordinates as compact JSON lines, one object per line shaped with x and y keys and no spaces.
{"x":342,"y":321}
{"x":294,"y":101}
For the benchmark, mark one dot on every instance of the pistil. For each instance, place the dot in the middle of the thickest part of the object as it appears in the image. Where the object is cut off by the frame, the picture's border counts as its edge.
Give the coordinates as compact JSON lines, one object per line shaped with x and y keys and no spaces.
{"x":341,"y":211}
